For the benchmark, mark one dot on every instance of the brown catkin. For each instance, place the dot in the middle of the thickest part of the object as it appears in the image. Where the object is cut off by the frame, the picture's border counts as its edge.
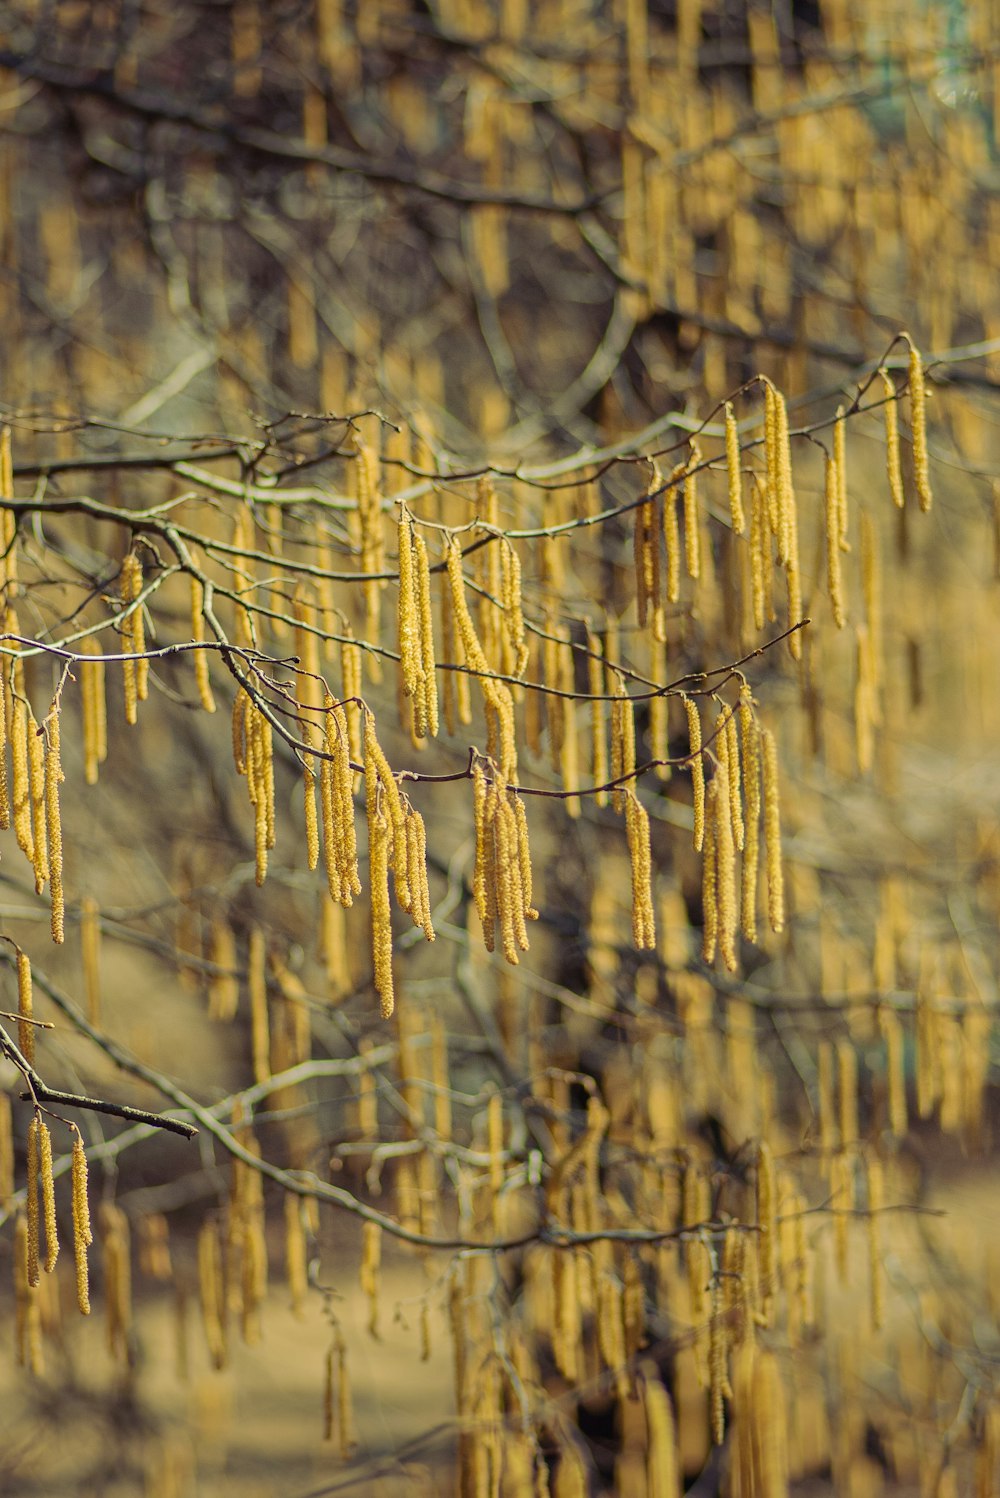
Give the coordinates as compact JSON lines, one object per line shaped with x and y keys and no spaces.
{"x":893,"y":466}
{"x":734,"y":477}
{"x":918,"y":428}
{"x":82,"y":1234}
{"x":53,"y":822}
{"x":697,"y":771}
{"x":201,"y":675}
{"x":48,"y":1197}
{"x":31,"y":1200}
{"x":834,"y":579}
{"x":772,"y":831}
{"x":25,"y":1008}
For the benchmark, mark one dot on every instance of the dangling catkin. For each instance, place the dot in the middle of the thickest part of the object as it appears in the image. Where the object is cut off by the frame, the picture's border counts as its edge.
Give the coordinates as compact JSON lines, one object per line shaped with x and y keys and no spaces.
{"x":637,"y":827}
{"x":53,"y":822}
{"x":133,"y":637}
{"x":426,"y":709}
{"x":734,"y":476}
{"x":201,"y":676}
{"x":840,"y":466}
{"x":31,"y":1201}
{"x":82,"y":1235}
{"x":36,"y":757}
{"x":21,"y":782}
{"x":772,"y":832}
{"x":48,"y":1197}
{"x":513,"y":615}
{"x":309,"y":798}
{"x":918,"y":428}
{"x":671,"y":532}
{"x":697,"y":772}
{"x":598,"y":738}
{"x":893,"y":467}
{"x":783,"y":479}
{"x":692,"y":517}
{"x":622,"y":744}
{"x":378,"y":774}
{"x":834,"y":580}
{"x":733,"y":767}
{"x":25,"y":1007}
{"x":771,"y":458}
{"x":378,"y":863}
{"x":725,"y":867}
{"x":709,"y":883}
{"x":260,"y":1037}
{"x":408,"y":620}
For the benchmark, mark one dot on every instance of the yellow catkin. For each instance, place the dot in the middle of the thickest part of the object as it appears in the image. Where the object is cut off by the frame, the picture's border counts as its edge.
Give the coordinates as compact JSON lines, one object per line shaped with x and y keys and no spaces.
{"x":772,"y":831}
{"x":737,"y":518}
{"x":718,"y":1380}
{"x":918,"y":428}
{"x":622,"y":745}
{"x":260,"y":1029}
{"x":895,"y":1072}
{"x":496,"y":695}
{"x":31,"y":1198}
{"x":692,"y":516}
{"x":759,"y":560}
{"x":371,"y":1263}
{"x":27,"y":1310}
{"x":25,"y":1008}
{"x":201,"y":674}
{"x":771,"y":459}
{"x":646,"y":560}
{"x":709,"y":882}
{"x":133,"y":637}
{"x":296,"y":1265}
{"x":48,"y":1197}
{"x":767,"y":1219}
{"x":697,"y":771}
{"x":733,"y":766}
{"x":4,"y":786}
{"x":725,"y":867}
{"x":211,"y":1293}
{"x":876,"y":1192}
{"x":378,"y":862}
{"x":834,"y":578}
{"x":893,"y":466}
{"x":671,"y":532}
{"x":426,"y":708}
{"x":36,"y":757}
{"x":21,"y":780}
{"x":6,"y":1152}
{"x":598,"y":735}
{"x":751,"y":845}
{"x":408,"y":621}
{"x":840,"y":467}
{"x":53,"y":822}
{"x":309,"y":798}
{"x":82,"y":1235}
{"x":663,"y":1465}
{"x":643,"y":919}
{"x":847,"y":1092}
{"x":785,"y":491}
{"x":513,"y":613}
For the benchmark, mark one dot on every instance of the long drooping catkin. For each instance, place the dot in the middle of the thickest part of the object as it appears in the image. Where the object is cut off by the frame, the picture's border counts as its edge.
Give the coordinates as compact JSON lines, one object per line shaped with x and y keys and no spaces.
{"x":25,"y":1007}
{"x":697,"y":771}
{"x":834,"y":579}
{"x":260,"y":1028}
{"x":21,"y":780}
{"x":734,"y":477}
{"x":692,"y":514}
{"x":426,"y":706}
{"x":133,"y":631}
{"x":53,"y":821}
{"x":893,"y":466}
{"x":31,"y":1198}
{"x":201,"y":673}
{"x":408,"y":619}
{"x":94,"y":708}
{"x":82,"y":1234}
{"x":671,"y":532}
{"x":622,"y":744}
{"x":709,"y":883}
{"x":785,"y":493}
{"x":760,"y":569}
{"x":598,"y":738}
{"x":378,"y":868}
{"x":646,"y":559}
{"x":637,"y":828}
{"x":39,"y":834}
{"x":840,"y":467}
{"x":771,"y":460}
{"x":733,"y":767}
{"x":378,"y":774}
{"x":772,"y":831}
{"x":513,"y":613}
{"x":48,"y":1197}
{"x":725,"y":865}
{"x":918,"y":428}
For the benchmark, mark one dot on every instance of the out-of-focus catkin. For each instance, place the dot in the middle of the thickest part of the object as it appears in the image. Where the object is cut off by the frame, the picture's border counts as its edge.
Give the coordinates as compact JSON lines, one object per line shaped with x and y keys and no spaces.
{"x":918,"y":428}
{"x":201,"y":672}
{"x":772,"y":831}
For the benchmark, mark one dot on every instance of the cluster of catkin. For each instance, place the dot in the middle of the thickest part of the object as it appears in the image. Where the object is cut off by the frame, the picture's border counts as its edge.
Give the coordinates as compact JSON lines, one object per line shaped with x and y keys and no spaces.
{"x":502,"y":877}
{"x":727,"y":821}
{"x":416,"y":628}
{"x":30,"y":800}
{"x":40,"y":1208}
{"x":397,"y":841}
